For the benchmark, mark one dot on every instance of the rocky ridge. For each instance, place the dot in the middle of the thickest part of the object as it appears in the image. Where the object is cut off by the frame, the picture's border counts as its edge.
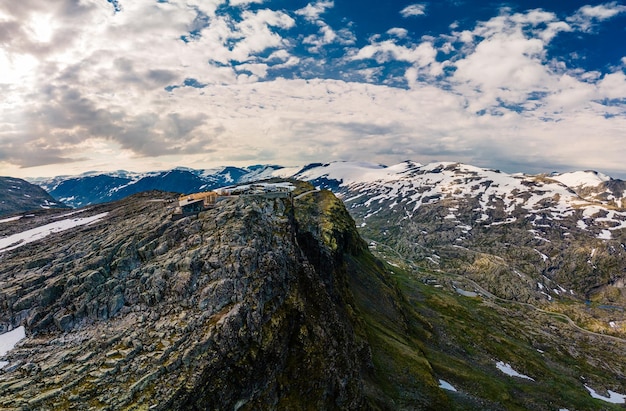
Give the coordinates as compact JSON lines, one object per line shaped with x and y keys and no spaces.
{"x":151,"y":313}
{"x":244,"y":306}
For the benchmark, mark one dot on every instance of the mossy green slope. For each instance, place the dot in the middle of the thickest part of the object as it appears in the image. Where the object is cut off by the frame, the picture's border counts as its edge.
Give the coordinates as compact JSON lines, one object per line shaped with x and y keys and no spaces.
{"x":419,"y":333}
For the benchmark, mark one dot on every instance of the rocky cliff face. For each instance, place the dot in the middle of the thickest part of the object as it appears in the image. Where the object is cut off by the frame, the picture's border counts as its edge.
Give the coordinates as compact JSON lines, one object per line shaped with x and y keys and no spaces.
{"x":220,"y":311}
{"x":247,"y":305}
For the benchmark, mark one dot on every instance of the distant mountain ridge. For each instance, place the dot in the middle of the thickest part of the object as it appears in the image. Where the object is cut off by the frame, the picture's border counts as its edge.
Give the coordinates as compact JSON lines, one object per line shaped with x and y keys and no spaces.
{"x":18,"y":196}
{"x":522,"y":237}
{"x":95,"y":187}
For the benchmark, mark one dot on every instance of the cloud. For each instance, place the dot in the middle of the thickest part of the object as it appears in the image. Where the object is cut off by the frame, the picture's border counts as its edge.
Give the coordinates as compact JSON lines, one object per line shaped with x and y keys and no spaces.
{"x":398,"y":32}
{"x":244,"y":2}
{"x":215,"y":81}
{"x":588,"y":16}
{"x":325,"y":34}
{"x":253,"y":34}
{"x":414,"y":10}
{"x":313,"y":11}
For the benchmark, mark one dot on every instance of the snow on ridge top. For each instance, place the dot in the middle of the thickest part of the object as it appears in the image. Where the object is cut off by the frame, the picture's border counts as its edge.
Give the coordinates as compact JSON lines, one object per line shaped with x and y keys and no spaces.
{"x":357,"y":172}
{"x":581,"y":178}
{"x":348,"y":172}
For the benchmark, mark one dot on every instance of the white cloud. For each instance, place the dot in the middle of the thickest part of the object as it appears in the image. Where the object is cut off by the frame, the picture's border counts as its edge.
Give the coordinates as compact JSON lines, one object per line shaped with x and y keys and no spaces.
{"x":414,"y":10}
{"x":313,"y":11}
{"x":398,"y":32}
{"x":613,"y":86}
{"x":587,"y":16}
{"x":602,"y":11}
{"x":256,"y":35}
{"x":244,"y":2}
{"x":326,"y":34}
{"x":259,"y":69}
{"x":423,"y":54}
{"x":504,"y":67}
{"x":87,"y":87}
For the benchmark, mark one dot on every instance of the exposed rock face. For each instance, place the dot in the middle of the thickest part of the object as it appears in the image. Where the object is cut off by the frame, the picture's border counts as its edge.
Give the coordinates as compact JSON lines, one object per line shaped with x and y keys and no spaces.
{"x":18,"y":196}
{"x":226,"y":310}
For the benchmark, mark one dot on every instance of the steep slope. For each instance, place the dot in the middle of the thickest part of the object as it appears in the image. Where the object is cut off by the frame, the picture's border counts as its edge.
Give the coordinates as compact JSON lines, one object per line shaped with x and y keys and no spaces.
{"x":19,"y":196}
{"x":245,"y":306}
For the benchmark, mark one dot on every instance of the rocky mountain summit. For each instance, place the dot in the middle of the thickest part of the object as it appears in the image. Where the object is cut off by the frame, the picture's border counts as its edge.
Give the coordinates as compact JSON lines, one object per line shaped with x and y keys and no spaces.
{"x":19,"y":196}
{"x":265,"y":303}
{"x":245,"y":306}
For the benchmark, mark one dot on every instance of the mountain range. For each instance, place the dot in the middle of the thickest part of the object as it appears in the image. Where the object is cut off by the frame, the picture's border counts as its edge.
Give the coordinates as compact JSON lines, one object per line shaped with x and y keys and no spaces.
{"x":19,"y":196}
{"x":95,"y":188}
{"x":530,"y":238}
{"x":438,"y":286}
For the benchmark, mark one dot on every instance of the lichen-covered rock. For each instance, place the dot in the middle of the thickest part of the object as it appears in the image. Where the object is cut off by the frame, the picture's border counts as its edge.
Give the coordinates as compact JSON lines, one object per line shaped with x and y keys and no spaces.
{"x":223,"y":310}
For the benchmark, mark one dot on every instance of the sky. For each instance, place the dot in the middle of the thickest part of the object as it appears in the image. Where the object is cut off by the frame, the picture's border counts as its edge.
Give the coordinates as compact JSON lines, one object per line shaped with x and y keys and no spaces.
{"x":527,"y":86}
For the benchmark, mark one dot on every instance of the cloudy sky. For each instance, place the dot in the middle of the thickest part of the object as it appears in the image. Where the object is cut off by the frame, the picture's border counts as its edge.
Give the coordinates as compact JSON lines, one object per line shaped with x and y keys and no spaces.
{"x":531,"y":86}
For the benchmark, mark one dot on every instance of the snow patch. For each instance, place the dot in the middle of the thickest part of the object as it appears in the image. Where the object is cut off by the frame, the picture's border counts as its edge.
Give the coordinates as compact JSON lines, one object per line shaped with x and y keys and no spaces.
{"x":508,"y":370}
{"x":613,"y":397}
{"x":17,"y":240}
{"x":446,"y":386}
{"x":8,"y":341}
{"x":8,"y":220}
{"x":543,"y":256}
{"x":581,"y":179}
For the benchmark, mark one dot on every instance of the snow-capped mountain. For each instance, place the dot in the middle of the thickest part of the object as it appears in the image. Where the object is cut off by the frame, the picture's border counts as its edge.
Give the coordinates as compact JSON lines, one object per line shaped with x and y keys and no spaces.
{"x":520,"y":236}
{"x":94,"y":188}
{"x":509,"y":280}
{"x":597,"y":200}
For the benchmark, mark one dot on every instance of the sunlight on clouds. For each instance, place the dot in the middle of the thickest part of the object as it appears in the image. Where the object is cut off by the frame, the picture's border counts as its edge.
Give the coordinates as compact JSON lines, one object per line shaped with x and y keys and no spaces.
{"x":16,"y":68}
{"x":41,"y":26}
{"x":195,"y":81}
